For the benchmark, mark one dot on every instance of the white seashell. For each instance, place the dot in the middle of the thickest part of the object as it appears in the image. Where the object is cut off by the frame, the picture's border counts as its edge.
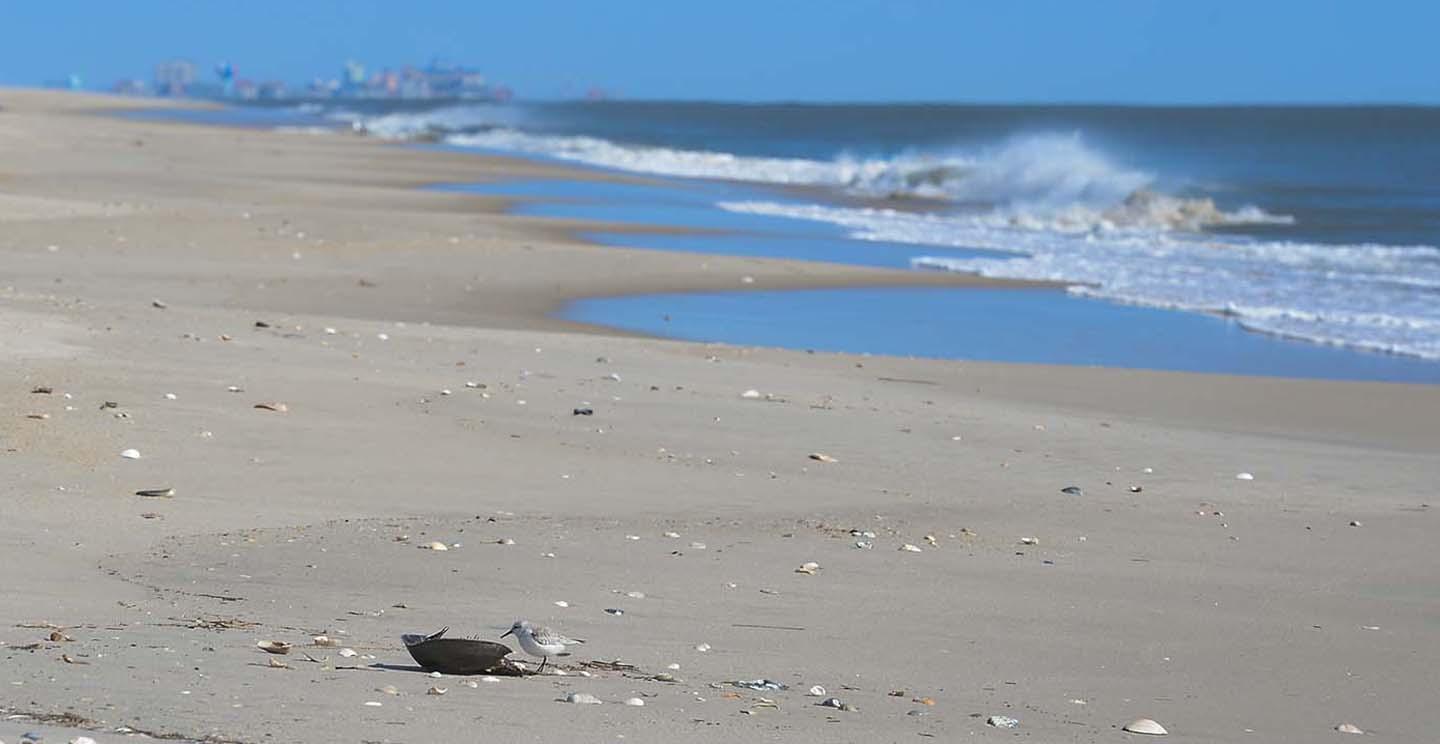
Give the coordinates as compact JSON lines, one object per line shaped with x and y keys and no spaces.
{"x":274,"y":647}
{"x":1349,"y":728}
{"x":389,"y":690}
{"x":561,"y":603}
{"x":817,"y":691}
{"x":488,"y":678}
{"x":130,"y":454}
{"x":1002,"y":722}
{"x":170,"y":396}
{"x":864,"y":544}
{"x":673,"y":667}
{"x":505,"y":541}
{"x":1145,"y":726}
{"x":1244,"y":476}
{"x":82,"y":740}
{"x":808,"y":568}
{"x":436,"y":675}
{"x":672,"y":535}
{"x":702,"y":648}
{"x":697,"y":546}
{"x":1029,"y":541}
{"x":635,"y":595}
{"x":637,"y":702}
{"x":373,"y":704}
{"x":822,"y":457}
{"x":325,"y":641}
{"x":349,"y":653}
{"x":582,"y":698}
{"x":436,"y":546}
{"x":908,"y":548}
{"x":472,"y":684}
{"x":750,"y":394}
{"x":436,"y":691}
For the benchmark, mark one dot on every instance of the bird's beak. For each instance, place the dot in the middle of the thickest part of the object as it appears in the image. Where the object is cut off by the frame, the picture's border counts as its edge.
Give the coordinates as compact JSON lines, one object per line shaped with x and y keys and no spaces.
{"x":508,"y":632}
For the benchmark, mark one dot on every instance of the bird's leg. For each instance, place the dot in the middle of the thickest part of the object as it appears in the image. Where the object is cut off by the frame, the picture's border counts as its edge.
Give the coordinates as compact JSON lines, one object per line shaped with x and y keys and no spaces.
{"x":543,"y":659}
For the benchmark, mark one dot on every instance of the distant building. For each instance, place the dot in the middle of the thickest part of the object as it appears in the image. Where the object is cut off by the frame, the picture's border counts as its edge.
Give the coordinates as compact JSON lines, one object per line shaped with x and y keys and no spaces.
{"x":172,"y":78}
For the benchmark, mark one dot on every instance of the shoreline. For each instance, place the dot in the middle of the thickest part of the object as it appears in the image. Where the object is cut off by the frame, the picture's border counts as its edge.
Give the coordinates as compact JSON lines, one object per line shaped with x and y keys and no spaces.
{"x":164,"y":281}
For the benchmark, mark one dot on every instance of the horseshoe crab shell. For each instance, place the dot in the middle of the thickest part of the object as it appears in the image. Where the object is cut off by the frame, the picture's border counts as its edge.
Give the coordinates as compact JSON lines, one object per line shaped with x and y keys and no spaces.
{"x":435,"y":653}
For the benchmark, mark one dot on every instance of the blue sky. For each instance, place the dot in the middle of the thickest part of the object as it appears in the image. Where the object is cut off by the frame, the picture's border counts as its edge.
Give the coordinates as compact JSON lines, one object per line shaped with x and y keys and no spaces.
{"x":860,"y":50}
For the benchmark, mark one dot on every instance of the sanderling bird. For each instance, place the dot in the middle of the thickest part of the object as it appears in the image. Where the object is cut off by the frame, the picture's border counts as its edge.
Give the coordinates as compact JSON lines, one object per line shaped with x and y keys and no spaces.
{"x":538,"y":640}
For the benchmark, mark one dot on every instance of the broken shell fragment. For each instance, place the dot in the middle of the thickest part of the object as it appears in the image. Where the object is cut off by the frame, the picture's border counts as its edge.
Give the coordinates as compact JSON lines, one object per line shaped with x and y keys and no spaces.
{"x":817,"y":691}
{"x":435,"y":546}
{"x":1002,"y":722}
{"x":349,"y":652}
{"x":809,"y":567}
{"x":1145,"y":726}
{"x":274,"y":647}
{"x":325,"y":641}
{"x":822,"y":457}
{"x":436,"y":691}
{"x":1073,"y":491}
{"x":582,"y":698}
{"x":273,"y":406}
{"x":130,"y":454}
{"x":635,"y":701}
{"x":156,"y":493}
{"x":1349,"y":728}
{"x":908,"y":548}
{"x":1244,"y":476}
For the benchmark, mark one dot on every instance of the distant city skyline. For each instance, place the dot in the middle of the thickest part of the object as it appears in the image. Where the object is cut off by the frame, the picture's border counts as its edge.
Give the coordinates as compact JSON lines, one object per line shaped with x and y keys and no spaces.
{"x":1125,"y":51}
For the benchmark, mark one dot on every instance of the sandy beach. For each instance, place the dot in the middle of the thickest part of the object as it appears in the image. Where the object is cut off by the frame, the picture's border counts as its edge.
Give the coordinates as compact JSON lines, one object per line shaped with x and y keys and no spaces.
{"x":162,"y":280}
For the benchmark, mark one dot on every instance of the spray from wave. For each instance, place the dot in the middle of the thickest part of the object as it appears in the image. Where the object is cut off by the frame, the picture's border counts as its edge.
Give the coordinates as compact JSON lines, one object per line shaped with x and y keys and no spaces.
{"x":1042,"y":181}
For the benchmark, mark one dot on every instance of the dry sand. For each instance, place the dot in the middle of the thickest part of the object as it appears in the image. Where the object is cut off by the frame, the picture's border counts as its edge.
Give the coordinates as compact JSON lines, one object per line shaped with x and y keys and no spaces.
{"x":1229,"y":610}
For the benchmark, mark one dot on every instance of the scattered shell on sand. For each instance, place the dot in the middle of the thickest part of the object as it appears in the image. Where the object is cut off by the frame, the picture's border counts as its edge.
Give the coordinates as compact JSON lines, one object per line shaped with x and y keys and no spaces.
{"x":1002,"y":722}
{"x":751,"y":395}
{"x":808,"y":568}
{"x":1244,"y":476}
{"x":1349,"y":728}
{"x":672,"y":535}
{"x":130,"y":454}
{"x":278,"y":664}
{"x":436,"y":691}
{"x":822,"y":457}
{"x":614,"y":611}
{"x":437,"y":545}
{"x":156,"y":493}
{"x":349,"y":653}
{"x":908,"y":548}
{"x":1029,"y":541}
{"x":274,"y":647}
{"x":504,"y":541}
{"x":275,"y":406}
{"x":702,"y":648}
{"x":1145,"y":726}
{"x":636,"y":702}
{"x":389,"y":690}
{"x":1354,"y":523}
{"x":1073,"y":490}
{"x":582,"y":698}
{"x":373,"y":703}
{"x":817,"y":691}
{"x":82,"y":740}
{"x":325,"y":641}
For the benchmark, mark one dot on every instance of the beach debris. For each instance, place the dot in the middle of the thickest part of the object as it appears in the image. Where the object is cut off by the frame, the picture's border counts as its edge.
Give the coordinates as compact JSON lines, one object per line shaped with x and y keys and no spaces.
{"x":158,"y":304}
{"x":1145,"y":726}
{"x":1355,"y":523}
{"x":908,"y":548}
{"x":613,"y":377}
{"x":1005,"y":722}
{"x":437,"y":545}
{"x":702,"y":648}
{"x":817,"y":691}
{"x":82,"y":740}
{"x":1073,"y":490}
{"x":37,"y":416}
{"x":348,"y":653}
{"x":931,"y":539}
{"x":273,"y":406}
{"x":808,"y":568}
{"x":1349,"y":728}
{"x":325,"y":641}
{"x":1244,"y":476}
{"x":505,"y":541}
{"x":373,"y":703}
{"x":58,"y":636}
{"x":435,"y":653}
{"x":274,"y":647}
{"x":235,"y":389}
{"x":130,"y":454}
{"x":156,"y":493}
{"x":864,"y":544}
{"x":1136,"y":489}
{"x":751,"y":395}
{"x":278,"y":664}
{"x":616,"y":611}
{"x":389,"y":690}
{"x":583,"y":412}
{"x":760,"y":684}
{"x":437,"y":691}
{"x":822,"y":457}
{"x":837,"y":704}
{"x":561,"y":603}
{"x":582,"y":698}
{"x":171,"y":396}
{"x":42,"y":390}
{"x":635,"y":702}
{"x":1029,"y":541}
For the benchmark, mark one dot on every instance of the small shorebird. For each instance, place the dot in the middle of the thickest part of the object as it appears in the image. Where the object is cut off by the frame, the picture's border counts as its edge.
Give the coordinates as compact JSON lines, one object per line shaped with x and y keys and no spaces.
{"x":538,"y":640}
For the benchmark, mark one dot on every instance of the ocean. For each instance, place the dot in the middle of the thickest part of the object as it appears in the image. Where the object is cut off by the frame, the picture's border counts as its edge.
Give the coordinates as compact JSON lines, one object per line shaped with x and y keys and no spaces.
{"x":1311,"y":223}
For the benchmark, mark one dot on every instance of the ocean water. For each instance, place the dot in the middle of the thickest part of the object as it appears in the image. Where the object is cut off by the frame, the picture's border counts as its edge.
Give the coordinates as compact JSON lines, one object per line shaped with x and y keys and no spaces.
{"x":1314,"y":224}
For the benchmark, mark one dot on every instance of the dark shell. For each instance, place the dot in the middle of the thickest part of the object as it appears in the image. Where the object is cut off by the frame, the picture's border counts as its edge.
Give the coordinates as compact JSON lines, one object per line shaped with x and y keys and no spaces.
{"x":463,"y":656}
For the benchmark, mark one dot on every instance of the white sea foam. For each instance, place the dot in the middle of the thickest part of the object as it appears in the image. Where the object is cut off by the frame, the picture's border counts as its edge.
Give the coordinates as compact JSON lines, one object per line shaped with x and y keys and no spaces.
{"x":1365,"y":296}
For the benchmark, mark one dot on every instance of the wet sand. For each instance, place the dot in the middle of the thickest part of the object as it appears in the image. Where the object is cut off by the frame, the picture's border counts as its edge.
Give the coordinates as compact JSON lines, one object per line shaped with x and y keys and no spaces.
{"x":309,"y":270}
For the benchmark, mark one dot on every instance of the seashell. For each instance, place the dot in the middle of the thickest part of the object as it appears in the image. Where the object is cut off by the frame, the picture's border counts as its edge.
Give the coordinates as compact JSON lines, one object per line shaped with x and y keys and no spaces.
{"x":1073,"y":490}
{"x":325,"y":641}
{"x":817,"y":691}
{"x":349,"y":653}
{"x":582,"y":698}
{"x":864,"y":544}
{"x":435,"y":546}
{"x":273,"y":406}
{"x":1349,"y":728}
{"x":278,"y":664}
{"x":664,"y":677}
{"x":702,"y":648}
{"x":235,"y":389}
{"x":808,"y":568}
{"x":672,"y":535}
{"x":58,"y":636}
{"x":1244,"y":476}
{"x":822,"y":457}
{"x":1354,"y":523}
{"x":636,"y":702}
{"x":1145,"y":726}
{"x":751,"y":395}
{"x":274,"y":647}
{"x":931,"y":539}
{"x":923,"y":700}
{"x":37,"y":416}
{"x":505,"y":541}
{"x":82,"y":740}
{"x":1136,"y":489}
{"x":472,"y":684}
{"x":389,"y":690}
{"x":1029,"y":541}
{"x":697,"y":546}
{"x":130,"y":454}
{"x":614,"y":611}
{"x":831,"y":703}
{"x":562,"y":603}
{"x":908,"y":548}
{"x":635,"y":595}
{"x":373,"y":704}
{"x":436,"y":691}
{"x":156,"y":493}
{"x":158,"y":304}
{"x":675,"y":667}
{"x":1002,"y":722}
